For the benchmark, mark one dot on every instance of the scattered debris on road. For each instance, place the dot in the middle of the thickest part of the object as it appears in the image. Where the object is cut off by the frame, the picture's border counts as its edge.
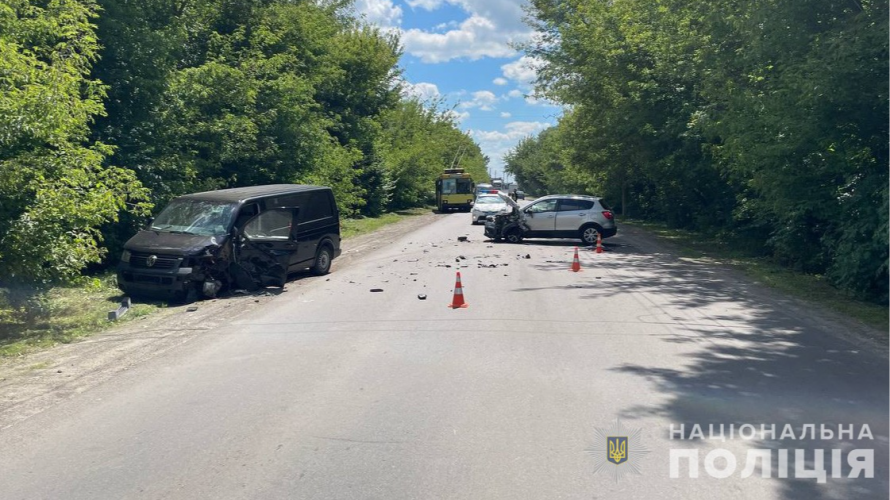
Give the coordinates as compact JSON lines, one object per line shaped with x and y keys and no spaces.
{"x":375,"y":290}
{"x":462,"y":239}
{"x":121,"y":310}
{"x":421,"y":296}
{"x":191,"y":309}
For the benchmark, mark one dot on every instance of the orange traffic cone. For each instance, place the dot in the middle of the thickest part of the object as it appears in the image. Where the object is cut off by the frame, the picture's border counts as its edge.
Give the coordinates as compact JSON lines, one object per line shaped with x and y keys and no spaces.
{"x":576,"y":264}
{"x":599,"y":243}
{"x":458,"y":301}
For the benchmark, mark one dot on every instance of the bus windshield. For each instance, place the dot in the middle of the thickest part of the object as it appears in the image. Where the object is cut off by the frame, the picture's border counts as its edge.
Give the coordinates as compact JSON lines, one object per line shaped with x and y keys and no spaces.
{"x":457,"y":186}
{"x":464,"y":186}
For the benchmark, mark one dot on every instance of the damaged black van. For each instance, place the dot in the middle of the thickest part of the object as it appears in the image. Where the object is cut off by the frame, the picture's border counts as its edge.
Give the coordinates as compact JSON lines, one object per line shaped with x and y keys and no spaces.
{"x":243,"y":238}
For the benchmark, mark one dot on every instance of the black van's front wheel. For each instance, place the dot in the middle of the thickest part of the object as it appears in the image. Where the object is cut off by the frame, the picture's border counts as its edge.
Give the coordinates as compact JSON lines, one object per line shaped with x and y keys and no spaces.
{"x":322,"y":264}
{"x":187,"y":295}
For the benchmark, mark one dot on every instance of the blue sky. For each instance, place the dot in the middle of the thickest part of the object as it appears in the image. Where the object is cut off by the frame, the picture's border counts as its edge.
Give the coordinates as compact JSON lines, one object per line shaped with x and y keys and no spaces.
{"x":460,"y":50}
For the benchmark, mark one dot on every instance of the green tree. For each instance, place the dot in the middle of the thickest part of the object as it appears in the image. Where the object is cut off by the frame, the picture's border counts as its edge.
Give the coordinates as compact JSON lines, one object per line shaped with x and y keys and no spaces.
{"x":54,"y":189}
{"x":246,"y":92}
{"x":765,"y":122}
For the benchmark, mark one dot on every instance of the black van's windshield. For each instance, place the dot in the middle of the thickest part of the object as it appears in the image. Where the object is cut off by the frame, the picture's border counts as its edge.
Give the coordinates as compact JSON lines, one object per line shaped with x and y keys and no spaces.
{"x":205,"y":218}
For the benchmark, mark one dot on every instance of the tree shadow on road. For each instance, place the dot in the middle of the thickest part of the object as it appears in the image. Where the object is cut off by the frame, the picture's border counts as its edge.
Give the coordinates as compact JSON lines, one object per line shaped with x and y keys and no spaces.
{"x":753,"y":357}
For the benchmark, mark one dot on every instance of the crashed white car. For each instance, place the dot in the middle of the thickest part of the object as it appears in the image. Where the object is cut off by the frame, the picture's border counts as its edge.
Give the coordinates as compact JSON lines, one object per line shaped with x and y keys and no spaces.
{"x":490,"y":204}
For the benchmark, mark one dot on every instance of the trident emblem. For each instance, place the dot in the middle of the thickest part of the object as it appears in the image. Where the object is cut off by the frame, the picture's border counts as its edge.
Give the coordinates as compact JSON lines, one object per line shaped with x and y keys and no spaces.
{"x":617,"y":449}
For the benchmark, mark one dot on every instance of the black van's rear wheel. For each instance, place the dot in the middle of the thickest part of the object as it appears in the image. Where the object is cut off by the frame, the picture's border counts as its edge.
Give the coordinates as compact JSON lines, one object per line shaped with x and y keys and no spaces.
{"x":514,"y":235}
{"x":322,"y":264}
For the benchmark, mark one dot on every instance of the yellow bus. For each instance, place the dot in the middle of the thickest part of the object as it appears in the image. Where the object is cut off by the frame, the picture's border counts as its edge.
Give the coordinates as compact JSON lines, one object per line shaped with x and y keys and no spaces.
{"x":455,"y":190}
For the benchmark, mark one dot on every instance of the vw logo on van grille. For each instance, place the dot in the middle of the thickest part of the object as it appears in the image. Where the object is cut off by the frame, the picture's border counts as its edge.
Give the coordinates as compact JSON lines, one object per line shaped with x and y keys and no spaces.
{"x":150,"y":261}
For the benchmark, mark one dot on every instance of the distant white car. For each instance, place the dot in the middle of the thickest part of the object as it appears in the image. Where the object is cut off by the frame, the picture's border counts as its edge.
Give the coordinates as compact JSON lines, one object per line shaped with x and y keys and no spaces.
{"x":489,"y":204}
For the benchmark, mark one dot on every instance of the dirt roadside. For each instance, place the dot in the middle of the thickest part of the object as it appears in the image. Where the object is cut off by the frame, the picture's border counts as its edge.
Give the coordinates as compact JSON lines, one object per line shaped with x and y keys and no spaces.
{"x":35,"y":382}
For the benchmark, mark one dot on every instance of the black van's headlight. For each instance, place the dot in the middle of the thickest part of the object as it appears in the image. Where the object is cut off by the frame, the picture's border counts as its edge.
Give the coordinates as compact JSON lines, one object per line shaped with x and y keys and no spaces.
{"x":125,"y":257}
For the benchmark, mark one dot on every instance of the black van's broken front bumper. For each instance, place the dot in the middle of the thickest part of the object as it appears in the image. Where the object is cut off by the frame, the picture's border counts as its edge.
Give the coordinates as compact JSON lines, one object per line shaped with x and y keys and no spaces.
{"x":139,"y":280}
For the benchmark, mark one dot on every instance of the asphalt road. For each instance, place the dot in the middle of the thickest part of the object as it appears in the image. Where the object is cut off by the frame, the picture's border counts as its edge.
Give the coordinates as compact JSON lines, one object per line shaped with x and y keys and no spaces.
{"x":337,"y":392}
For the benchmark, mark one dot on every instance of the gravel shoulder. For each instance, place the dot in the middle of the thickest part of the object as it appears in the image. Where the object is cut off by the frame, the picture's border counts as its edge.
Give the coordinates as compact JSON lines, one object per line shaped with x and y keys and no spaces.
{"x":37,"y":381}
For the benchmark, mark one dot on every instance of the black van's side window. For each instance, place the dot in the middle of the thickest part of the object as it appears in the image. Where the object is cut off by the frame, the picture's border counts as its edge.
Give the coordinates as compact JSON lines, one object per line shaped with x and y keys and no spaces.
{"x":318,"y":206}
{"x":290,"y":201}
{"x":272,"y":224}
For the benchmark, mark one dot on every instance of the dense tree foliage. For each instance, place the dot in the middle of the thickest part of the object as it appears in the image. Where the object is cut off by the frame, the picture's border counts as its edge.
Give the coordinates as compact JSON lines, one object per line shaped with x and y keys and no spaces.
{"x":766,"y":122}
{"x":207,"y":94}
{"x":56,"y":188}
{"x":108,"y":107}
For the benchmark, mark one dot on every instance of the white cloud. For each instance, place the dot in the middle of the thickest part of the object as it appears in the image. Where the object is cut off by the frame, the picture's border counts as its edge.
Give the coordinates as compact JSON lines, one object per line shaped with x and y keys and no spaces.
{"x":487,"y":32}
{"x":424,"y":4}
{"x":476,"y":38}
{"x":446,"y":26}
{"x":508,"y":13}
{"x":522,"y":129}
{"x":380,"y":12}
{"x":515,"y":93}
{"x":523,"y":71}
{"x":496,"y":143}
{"x":499,"y":81}
{"x":505,"y":114}
{"x":423,"y":91}
{"x":457,"y":116}
{"x":537,"y":101}
{"x":483,"y":99}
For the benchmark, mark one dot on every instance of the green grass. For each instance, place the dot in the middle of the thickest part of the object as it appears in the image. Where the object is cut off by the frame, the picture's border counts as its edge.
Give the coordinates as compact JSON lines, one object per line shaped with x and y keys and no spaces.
{"x":350,"y":228}
{"x":68,"y":312}
{"x":808,"y":287}
{"x":71,"y":312}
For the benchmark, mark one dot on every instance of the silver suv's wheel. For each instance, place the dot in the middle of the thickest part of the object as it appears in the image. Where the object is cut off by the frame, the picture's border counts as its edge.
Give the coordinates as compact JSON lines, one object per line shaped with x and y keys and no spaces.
{"x":588,"y":235}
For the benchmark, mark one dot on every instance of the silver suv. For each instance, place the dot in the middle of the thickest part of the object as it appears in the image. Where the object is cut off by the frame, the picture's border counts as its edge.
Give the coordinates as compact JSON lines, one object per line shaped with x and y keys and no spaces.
{"x":567,"y":216}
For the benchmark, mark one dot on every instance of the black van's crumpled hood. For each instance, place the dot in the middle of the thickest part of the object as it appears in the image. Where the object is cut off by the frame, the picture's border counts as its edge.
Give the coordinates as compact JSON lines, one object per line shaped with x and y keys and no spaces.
{"x":171,"y":243}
